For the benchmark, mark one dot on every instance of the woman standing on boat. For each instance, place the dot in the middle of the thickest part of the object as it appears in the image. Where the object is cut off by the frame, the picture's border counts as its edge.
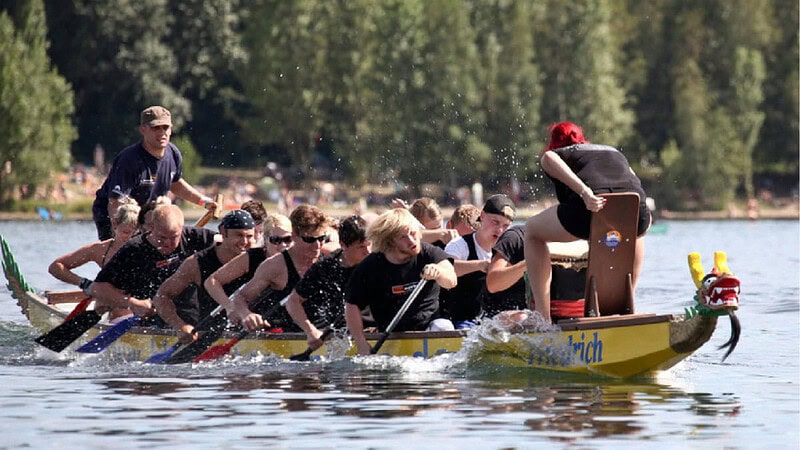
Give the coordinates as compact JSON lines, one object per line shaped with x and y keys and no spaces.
{"x":580,"y":172}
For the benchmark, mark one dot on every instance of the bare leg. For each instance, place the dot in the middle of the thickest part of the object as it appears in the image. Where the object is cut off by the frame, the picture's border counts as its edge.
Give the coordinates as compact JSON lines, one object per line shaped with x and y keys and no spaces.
{"x":537,"y":260}
{"x":638,"y":261}
{"x":539,"y":230}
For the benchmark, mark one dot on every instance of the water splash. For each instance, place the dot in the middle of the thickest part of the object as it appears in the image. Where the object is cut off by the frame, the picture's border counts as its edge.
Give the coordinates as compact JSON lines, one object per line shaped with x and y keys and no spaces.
{"x":523,"y":335}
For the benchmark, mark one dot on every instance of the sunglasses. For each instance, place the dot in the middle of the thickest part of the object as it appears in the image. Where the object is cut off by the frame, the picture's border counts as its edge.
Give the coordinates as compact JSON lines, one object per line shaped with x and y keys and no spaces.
{"x":275,"y":240}
{"x":311,"y":239}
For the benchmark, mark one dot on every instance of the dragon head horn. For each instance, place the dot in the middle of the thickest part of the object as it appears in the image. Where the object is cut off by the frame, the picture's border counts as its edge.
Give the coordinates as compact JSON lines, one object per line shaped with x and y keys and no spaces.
{"x":696,"y":269}
{"x":721,"y":263}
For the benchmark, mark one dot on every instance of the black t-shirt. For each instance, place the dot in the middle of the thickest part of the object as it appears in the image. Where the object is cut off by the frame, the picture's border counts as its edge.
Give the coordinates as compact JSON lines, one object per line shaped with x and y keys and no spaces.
{"x":511,"y":247}
{"x":323,"y":288}
{"x":384,"y":287}
{"x":138,"y":268}
{"x":604,"y":169}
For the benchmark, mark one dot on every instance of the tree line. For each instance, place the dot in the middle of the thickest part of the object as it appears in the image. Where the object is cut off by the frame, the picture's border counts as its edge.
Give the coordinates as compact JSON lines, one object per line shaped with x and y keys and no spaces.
{"x":701,"y":96}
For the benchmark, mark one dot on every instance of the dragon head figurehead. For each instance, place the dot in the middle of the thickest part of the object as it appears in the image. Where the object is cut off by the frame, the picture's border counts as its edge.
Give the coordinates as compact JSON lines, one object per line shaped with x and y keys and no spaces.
{"x":718,"y":291}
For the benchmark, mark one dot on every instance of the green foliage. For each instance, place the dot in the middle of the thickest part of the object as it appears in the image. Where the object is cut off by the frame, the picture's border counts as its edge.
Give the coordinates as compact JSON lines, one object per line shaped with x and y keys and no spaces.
{"x":580,"y":70}
{"x":446,"y":91}
{"x":35,"y":103}
{"x":191,"y":158}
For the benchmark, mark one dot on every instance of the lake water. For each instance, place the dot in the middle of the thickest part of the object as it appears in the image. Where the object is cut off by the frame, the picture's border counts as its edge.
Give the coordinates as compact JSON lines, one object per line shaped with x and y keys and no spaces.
{"x":750,"y":401}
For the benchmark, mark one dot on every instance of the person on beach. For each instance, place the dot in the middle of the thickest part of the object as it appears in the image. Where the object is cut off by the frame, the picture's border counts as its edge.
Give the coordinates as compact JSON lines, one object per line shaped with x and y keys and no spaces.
{"x":472,"y":254}
{"x":145,"y":170}
{"x":580,"y":172}
{"x":318,"y":299}
{"x":385,"y":278}
{"x":279,"y":273}
{"x":237,"y":229}
{"x":132,"y":277}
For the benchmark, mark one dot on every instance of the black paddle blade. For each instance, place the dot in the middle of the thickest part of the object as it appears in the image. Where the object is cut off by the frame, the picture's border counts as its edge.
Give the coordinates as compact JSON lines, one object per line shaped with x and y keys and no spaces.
{"x":306,"y":355}
{"x":61,"y":336}
{"x":302,"y":356}
{"x":207,"y":338}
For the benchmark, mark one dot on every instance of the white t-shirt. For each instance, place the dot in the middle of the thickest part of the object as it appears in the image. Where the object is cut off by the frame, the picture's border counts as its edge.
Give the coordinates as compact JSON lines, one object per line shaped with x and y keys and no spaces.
{"x":459,"y":249}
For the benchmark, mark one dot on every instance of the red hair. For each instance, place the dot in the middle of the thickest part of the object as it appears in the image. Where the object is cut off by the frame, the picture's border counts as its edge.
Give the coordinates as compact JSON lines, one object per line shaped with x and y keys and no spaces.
{"x":563,"y":134}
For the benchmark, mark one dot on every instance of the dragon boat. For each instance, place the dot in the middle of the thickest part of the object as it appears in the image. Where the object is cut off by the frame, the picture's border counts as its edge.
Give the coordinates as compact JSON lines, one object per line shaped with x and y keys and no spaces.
{"x":617,"y":345}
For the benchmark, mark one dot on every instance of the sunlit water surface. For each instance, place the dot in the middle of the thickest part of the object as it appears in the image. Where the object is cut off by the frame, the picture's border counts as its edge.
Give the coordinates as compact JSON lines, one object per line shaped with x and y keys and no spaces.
{"x":750,"y":401}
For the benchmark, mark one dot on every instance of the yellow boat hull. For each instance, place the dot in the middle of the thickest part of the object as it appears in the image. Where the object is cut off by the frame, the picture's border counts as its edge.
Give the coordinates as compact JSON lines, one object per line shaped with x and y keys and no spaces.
{"x":616,"y":346}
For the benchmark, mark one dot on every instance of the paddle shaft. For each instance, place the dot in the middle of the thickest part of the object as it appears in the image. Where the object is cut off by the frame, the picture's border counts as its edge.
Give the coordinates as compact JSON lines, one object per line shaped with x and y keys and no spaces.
{"x":221,"y":350}
{"x":399,"y":316}
{"x":324,"y":337}
{"x":167,"y":353}
{"x":211,"y":213}
{"x":207,"y":339}
{"x":79,"y":308}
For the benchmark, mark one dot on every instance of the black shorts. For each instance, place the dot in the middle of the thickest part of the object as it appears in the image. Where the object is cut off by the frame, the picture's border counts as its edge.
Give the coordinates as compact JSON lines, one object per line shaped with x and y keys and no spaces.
{"x":576,"y":219}
{"x":104,"y":230}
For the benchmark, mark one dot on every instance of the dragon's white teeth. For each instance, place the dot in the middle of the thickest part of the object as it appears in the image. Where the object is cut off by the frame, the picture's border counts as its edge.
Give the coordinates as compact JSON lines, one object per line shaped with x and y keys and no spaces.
{"x":720,"y":290}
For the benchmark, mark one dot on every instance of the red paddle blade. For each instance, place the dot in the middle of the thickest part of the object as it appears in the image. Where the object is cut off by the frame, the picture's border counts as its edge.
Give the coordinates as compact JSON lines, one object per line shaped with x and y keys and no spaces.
{"x":79,"y":308}
{"x":217,"y":351}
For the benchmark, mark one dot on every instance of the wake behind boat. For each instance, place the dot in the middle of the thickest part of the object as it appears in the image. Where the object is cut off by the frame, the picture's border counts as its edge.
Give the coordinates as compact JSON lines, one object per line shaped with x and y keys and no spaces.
{"x":616,"y":346}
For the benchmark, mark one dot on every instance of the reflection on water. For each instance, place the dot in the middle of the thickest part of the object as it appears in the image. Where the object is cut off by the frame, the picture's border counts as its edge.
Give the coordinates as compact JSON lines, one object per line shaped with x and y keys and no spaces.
{"x":560,"y":407}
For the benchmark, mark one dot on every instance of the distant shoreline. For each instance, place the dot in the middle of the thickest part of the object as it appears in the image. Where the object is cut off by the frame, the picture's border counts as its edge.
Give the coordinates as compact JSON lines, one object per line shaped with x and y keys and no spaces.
{"x":786,"y":213}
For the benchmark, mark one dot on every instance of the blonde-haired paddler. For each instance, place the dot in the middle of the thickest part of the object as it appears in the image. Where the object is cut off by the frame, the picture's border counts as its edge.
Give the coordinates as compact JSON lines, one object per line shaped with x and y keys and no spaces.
{"x":385,"y":279}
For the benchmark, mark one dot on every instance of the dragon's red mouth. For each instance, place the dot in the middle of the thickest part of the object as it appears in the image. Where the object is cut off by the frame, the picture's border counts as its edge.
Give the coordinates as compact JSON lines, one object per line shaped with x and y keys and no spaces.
{"x":723,"y":293}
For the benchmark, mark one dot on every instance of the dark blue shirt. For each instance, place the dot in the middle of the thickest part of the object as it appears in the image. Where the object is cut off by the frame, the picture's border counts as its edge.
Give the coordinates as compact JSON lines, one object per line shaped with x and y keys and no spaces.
{"x":137,"y":173}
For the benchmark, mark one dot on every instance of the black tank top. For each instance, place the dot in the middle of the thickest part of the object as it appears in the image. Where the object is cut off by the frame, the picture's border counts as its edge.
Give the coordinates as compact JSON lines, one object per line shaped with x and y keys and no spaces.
{"x":462,"y":302}
{"x":279,"y":317}
{"x":256,"y":257}
{"x":209,"y":262}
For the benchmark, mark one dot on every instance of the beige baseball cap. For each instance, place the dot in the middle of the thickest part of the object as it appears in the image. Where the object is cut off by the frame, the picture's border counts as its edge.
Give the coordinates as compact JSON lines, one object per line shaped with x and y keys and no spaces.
{"x":155,"y":116}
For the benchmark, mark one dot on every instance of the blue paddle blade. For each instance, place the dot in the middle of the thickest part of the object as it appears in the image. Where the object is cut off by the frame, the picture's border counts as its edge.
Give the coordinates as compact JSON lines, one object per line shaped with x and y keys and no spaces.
{"x":159,"y":358}
{"x":102,"y":341}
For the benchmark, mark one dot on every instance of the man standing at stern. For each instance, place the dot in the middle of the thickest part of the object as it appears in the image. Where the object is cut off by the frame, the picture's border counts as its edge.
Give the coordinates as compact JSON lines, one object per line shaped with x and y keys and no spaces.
{"x":145,"y":170}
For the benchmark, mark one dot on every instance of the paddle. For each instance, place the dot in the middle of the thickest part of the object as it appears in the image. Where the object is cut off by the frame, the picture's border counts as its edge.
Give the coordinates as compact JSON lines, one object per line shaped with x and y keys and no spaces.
{"x":79,"y":308}
{"x":74,"y":327}
{"x":305,"y":356}
{"x":194,"y":349}
{"x":159,"y":358}
{"x":218,"y":351}
{"x":211,"y":213}
{"x":107,"y":338}
{"x":399,"y":316}
{"x":61,"y":336}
